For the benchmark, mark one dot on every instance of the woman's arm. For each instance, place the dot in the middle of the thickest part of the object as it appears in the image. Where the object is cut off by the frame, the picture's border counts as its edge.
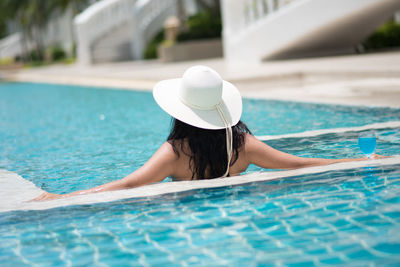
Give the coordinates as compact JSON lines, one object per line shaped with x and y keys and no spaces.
{"x":262,"y":155}
{"x":158,"y":167}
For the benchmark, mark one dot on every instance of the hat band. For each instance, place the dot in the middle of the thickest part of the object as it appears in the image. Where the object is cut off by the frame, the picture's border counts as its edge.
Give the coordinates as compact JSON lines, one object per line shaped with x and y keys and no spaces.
{"x":190,"y":105}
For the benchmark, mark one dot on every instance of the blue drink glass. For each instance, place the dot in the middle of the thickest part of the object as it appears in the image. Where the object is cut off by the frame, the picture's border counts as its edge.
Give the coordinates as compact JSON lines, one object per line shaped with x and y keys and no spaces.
{"x":367,"y":143}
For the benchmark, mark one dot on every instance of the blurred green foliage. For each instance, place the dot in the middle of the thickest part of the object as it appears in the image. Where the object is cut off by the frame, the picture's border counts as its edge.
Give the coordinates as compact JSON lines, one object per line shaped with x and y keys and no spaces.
{"x":32,"y":17}
{"x":151,"y":49}
{"x":57,"y":53}
{"x":203,"y":25}
{"x":34,"y":56}
{"x":6,"y":61}
{"x":3,"y":27}
{"x":388,"y":35}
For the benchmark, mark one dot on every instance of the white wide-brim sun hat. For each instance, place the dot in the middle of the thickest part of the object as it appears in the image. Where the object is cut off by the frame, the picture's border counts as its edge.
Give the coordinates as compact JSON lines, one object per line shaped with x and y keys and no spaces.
{"x":200,"y":98}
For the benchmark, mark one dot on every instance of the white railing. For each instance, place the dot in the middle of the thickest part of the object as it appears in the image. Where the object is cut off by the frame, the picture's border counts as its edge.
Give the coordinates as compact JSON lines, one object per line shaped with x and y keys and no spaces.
{"x":241,"y":14}
{"x":239,"y":17}
{"x":146,"y":18}
{"x":98,"y":20}
{"x":256,"y":9}
{"x":10,"y":46}
{"x":150,"y":16}
{"x":255,"y":30}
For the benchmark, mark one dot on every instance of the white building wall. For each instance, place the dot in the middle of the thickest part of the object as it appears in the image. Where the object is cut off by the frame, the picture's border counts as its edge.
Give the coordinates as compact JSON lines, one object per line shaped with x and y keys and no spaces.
{"x":397,"y":17}
{"x":60,"y":31}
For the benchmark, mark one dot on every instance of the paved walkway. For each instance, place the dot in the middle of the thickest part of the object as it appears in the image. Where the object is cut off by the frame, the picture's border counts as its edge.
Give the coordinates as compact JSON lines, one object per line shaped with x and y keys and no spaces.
{"x":368,"y":79}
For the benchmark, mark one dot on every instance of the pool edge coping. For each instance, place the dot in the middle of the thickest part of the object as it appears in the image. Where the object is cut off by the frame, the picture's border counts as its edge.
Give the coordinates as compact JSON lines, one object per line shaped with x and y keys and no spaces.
{"x":159,"y":189}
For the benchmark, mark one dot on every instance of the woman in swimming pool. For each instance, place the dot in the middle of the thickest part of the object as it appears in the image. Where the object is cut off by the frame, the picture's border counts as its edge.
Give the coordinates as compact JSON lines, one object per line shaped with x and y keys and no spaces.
{"x":207,"y":139}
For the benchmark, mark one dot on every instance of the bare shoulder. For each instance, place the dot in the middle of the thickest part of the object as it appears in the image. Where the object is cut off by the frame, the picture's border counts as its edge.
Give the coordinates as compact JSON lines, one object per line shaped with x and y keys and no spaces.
{"x":161,"y":164}
{"x":252,"y":143}
{"x":250,"y":146}
{"x":167,"y":146}
{"x":166,"y":150}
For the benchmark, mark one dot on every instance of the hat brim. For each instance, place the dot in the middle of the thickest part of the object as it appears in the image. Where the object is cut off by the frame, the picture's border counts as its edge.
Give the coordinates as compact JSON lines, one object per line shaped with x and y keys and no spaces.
{"x":166,"y":94}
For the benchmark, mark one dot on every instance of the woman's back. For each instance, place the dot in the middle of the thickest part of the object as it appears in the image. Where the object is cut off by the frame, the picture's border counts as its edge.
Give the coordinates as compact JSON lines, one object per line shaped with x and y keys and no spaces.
{"x":184,"y":171}
{"x":202,"y":153}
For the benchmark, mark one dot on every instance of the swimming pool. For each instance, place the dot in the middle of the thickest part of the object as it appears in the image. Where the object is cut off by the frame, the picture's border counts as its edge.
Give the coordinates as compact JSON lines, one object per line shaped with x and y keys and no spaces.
{"x":66,"y":138}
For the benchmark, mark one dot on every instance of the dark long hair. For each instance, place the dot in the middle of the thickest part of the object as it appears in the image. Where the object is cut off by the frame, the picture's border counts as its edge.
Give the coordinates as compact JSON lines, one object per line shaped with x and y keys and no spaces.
{"x":207,"y":148}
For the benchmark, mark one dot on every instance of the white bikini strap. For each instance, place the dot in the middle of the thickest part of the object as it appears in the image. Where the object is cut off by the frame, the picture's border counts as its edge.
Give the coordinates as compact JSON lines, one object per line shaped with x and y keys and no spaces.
{"x":229,"y":138}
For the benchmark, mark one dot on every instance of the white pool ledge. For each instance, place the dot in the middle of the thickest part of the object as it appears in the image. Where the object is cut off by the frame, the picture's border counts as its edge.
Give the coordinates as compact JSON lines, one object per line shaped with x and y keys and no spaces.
{"x":17,"y":191}
{"x":373,"y":126}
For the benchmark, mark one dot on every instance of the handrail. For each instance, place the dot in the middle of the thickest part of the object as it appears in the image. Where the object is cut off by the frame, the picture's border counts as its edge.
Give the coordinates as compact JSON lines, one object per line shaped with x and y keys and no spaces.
{"x":97,"y":20}
{"x":11,"y":45}
{"x":8,"y":44}
{"x":241,"y":14}
{"x":145,"y":17}
{"x":150,"y":17}
{"x":255,"y":30}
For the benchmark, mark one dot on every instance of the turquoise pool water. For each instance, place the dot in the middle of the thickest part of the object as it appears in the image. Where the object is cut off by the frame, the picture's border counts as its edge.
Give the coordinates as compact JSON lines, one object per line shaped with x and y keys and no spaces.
{"x":341,"y":217}
{"x":66,"y":138}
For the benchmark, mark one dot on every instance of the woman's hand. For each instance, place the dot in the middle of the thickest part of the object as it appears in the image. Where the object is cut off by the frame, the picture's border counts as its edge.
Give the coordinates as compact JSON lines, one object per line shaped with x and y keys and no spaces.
{"x":376,"y":156}
{"x":47,"y":196}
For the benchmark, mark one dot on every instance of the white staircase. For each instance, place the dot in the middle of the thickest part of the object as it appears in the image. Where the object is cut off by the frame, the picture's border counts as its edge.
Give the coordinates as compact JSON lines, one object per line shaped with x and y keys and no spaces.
{"x":115,"y":30}
{"x":113,"y":46}
{"x":256,"y":30}
{"x":10,"y":46}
